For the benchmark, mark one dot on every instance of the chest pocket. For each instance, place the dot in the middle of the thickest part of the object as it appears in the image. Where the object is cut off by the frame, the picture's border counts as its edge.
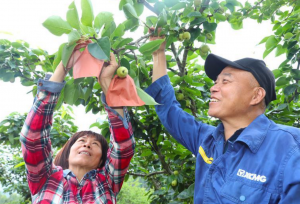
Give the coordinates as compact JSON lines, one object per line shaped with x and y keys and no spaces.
{"x":239,"y":192}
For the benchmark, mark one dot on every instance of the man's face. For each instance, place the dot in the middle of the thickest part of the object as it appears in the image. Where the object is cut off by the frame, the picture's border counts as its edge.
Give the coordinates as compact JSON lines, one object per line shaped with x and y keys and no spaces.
{"x":85,"y":153}
{"x":231,"y":95}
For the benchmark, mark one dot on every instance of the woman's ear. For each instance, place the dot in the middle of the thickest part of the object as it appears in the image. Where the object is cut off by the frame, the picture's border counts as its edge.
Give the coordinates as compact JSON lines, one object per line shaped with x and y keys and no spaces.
{"x":258,"y":95}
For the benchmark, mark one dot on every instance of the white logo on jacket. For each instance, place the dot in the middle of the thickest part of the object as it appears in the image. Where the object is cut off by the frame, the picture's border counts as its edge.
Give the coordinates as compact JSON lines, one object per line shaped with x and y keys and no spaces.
{"x":253,"y":177}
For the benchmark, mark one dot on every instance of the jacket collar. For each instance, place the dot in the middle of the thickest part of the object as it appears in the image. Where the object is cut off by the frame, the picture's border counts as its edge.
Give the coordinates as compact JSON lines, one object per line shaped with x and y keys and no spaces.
{"x":253,"y":135}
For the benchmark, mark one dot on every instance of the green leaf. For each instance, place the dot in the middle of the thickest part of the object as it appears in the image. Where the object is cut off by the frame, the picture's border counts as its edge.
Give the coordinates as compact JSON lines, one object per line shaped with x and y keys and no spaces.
{"x":198,"y":21}
{"x":58,"y":56}
{"x":131,"y":23}
{"x":145,"y":97}
{"x":280,"y":50}
{"x":162,"y":19}
{"x":19,"y":165}
{"x":57,"y":26}
{"x":178,"y":6}
{"x":194,"y":14}
{"x":146,"y":153}
{"x":73,"y":36}
{"x":237,"y":25}
{"x":264,"y":40}
{"x":267,"y":52}
{"x":290,"y":89}
{"x":100,"y":49}
{"x":282,"y":81}
{"x":66,"y":53}
{"x":296,"y":74}
{"x":72,"y":16}
{"x":122,"y":42}
{"x":150,"y":47}
{"x":123,"y":2}
{"x":118,"y":32}
{"x":288,"y":35}
{"x":72,"y":92}
{"x":103,"y":18}
{"x":60,"y":99}
{"x":271,"y":42}
{"x":210,"y":26}
{"x":220,"y":17}
{"x":87,"y":13}
{"x":129,"y":11}
{"x":139,"y":8}
{"x":109,"y":29}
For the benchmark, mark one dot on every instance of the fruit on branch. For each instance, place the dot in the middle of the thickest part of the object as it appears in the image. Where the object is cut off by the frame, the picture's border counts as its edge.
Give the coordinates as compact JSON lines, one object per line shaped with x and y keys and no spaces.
{"x":204,"y":48}
{"x":209,"y":36}
{"x":186,"y":36}
{"x":174,"y":183}
{"x":175,"y":173}
{"x":197,"y":3}
{"x":188,"y":103}
{"x":180,"y":37}
{"x":180,"y":96}
{"x":122,"y":72}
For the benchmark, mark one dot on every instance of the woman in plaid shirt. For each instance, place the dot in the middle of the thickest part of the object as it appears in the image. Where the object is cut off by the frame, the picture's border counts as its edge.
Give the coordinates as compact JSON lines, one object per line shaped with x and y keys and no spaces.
{"x":86,"y":170}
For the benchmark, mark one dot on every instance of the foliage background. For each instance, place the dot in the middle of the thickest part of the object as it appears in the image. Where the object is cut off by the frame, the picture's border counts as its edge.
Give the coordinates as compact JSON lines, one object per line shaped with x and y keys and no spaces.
{"x":158,"y":155}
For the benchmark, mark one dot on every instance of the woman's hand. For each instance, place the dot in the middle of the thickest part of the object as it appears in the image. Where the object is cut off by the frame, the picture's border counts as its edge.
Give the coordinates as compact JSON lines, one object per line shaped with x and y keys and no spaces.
{"x":61,"y":71}
{"x":76,"y":53}
{"x":107,"y":73}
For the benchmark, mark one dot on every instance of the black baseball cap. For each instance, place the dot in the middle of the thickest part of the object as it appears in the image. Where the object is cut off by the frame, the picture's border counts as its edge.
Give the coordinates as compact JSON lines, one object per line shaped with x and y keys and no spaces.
{"x":215,"y":64}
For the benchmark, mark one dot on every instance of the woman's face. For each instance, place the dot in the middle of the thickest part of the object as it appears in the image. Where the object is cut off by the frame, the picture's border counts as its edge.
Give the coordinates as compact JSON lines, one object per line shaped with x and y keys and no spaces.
{"x":85,"y":153}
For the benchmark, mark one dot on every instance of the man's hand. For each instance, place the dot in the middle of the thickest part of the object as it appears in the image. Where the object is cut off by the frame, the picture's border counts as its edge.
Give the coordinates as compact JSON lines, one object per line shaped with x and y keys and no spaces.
{"x":153,"y":37}
{"x":159,"y":58}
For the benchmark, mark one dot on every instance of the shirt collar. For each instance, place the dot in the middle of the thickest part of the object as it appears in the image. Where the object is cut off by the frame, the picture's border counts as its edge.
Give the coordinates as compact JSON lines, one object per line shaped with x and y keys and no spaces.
{"x":255,"y":133}
{"x":89,"y":175}
{"x":66,"y":172}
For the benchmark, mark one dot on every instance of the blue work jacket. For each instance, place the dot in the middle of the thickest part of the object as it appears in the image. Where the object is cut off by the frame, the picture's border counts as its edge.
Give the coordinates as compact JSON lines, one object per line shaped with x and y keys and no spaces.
{"x":261,"y":166}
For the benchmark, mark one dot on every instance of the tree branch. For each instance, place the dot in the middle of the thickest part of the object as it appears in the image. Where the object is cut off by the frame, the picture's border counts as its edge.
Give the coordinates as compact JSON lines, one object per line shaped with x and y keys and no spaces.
{"x":186,"y":50}
{"x":204,"y":5}
{"x":253,"y":7}
{"x":147,"y":175}
{"x":160,"y":156}
{"x":176,"y":57}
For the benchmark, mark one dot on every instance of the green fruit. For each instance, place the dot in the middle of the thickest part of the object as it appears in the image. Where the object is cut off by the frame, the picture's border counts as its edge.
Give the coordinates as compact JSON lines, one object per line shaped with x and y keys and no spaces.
{"x":180,"y":96}
{"x":204,"y":48}
{"x":186,"y":36}
{"x":188,"y":103}
{"x":180,"y":38}
{"x":209,"y":36}
{"x":174,"y":183}
{"x":176,"y":173}
{"x":197,"y":3}
{"x":122,"y":72}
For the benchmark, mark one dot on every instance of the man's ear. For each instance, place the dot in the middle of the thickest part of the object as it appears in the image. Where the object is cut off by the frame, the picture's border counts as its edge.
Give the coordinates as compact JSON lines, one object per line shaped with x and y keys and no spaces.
{"x":258,"y":95}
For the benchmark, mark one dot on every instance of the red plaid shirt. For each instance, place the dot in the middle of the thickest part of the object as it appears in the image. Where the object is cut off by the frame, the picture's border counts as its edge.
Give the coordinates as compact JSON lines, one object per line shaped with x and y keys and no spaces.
{"x":51,"y":184}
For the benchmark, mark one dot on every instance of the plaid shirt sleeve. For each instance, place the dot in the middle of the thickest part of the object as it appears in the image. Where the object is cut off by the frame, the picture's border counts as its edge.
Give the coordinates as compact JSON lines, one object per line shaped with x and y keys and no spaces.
{"x":121,"y":149}
{"x":35,"y":140}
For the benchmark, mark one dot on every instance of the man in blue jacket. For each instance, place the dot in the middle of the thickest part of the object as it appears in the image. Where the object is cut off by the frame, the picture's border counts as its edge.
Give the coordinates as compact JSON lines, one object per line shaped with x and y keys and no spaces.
{"x":247,"y":158}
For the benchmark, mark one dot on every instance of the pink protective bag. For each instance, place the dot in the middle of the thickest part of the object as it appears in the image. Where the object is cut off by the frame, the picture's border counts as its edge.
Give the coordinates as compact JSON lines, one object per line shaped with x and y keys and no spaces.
{"x":121,"y":92}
